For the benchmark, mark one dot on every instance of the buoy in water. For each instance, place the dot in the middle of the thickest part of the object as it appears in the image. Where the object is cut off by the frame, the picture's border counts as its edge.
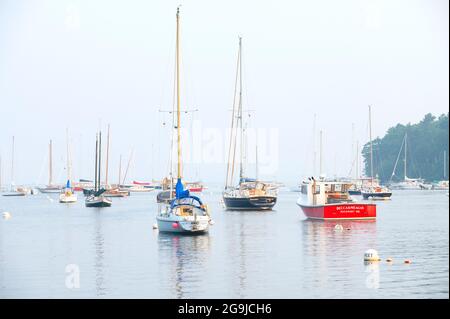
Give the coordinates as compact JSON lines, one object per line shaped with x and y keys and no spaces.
{"x":174,"y":225}
{"x":155,"y":226}
{"x":389,"y":260}
{"x":408,"y":261}
{"x":371,"y":255}
{"x":338,"y":227}
{"x":6,"y":215}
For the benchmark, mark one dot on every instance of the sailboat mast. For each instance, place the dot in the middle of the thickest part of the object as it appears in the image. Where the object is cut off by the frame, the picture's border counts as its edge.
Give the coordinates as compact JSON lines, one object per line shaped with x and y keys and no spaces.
{"x":357,"y":160}
{"x":96,"y":161}
{"x":445,"y":165}
{"x":12,"y":163}
{"x":178,"y":95}
{"x":230,"y":168}
{"x":107,"y":158}
{"x":320,"y":153}
{"x":50,"y":164}
{"x":314,"y":145}
{"x":241,"y":170}
{"x":99,"y":159}
{"x":404,"y":167}
{"x":69,"y":165}
{"x":120,"y":169}
{"x":371,"y":146}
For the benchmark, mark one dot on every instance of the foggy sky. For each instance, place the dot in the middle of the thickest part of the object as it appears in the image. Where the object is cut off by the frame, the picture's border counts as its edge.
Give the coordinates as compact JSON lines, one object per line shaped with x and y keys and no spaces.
{"x":84,"y":64}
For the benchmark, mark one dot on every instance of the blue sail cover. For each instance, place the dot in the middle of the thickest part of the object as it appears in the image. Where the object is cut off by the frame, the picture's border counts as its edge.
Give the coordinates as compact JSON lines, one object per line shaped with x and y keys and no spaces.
{"x":68,"y":183}
{"x":180,"y":192}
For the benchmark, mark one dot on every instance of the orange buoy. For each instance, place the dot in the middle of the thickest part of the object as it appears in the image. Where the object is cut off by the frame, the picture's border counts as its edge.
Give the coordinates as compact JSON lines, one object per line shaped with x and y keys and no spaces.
{"x":408,"y":261}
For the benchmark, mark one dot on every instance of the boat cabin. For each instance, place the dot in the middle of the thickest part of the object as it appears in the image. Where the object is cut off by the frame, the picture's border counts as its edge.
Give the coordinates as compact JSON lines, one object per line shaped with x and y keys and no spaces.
{"x":323,"y":192}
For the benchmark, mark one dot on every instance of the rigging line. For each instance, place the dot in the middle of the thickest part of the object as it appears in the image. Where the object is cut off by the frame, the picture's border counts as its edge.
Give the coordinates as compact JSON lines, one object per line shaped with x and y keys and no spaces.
{"x":235,"y":137}
{"x":398,"y":158}
{"x":232,"y":121}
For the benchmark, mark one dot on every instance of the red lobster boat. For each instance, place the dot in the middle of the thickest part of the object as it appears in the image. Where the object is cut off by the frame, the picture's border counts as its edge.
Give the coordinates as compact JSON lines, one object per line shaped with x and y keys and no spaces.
{"x":331,"y":200}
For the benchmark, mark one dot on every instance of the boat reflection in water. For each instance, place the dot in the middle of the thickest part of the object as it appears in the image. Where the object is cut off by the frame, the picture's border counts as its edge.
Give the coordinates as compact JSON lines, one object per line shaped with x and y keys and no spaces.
{"x":187,"y":256}
{"x":335,"y":255}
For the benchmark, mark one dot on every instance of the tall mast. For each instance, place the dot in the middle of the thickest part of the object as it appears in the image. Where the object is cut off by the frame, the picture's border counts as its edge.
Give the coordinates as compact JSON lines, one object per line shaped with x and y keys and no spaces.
{"x":1,"y":173}
{"x":178,"y":95}
{"x":445,"y":165}
{"x":371,"y":147}
{"x":314,"y":145}
{"x":357,"y":160}
{"x":99,"y":158}
{"x":12,"y":163}
{"x":120,"y":169}
{"x":320,"y":153}
{"x":404,"y":167}
{"x":233,"y":133}
{"x":96,"y":162}
{"x":241,"y":170}
{"x":256,"y":151}
{"x":107,"y":158}
{"x":69,"y":173}
{"x":50,"y":164}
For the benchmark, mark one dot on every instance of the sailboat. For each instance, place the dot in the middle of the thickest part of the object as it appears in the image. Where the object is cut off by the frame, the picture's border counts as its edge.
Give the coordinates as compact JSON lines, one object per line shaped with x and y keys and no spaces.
{"x":14,"y":191}
{"x":110,"y":190}
{"x":374,"y":191}
{"x":68,"y":195}
{"x":96,"y":199}
{"x":185,"y":213}
{"x":407,"y":183}
{"x":250,"y":194}
{"x":50,"y":188}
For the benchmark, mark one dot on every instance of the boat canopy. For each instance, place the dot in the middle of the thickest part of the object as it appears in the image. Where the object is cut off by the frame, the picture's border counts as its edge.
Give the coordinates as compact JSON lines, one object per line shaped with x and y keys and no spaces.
{"x":187,"y":200}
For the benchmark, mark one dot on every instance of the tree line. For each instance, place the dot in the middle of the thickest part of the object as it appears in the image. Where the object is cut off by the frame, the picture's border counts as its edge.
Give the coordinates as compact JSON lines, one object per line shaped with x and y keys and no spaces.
{"x":427,"y":149}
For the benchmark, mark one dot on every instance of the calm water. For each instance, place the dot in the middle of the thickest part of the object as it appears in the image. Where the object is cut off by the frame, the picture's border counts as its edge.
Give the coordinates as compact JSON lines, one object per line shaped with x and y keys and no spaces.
{"x":274,"y":254}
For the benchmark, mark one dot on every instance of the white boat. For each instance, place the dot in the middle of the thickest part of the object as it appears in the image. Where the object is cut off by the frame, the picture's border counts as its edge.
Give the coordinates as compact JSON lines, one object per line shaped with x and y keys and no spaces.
{"x":407,"y":183}
{"x":68,"y":196}
{"x":185,"y":213}
{"x":15,"y":190}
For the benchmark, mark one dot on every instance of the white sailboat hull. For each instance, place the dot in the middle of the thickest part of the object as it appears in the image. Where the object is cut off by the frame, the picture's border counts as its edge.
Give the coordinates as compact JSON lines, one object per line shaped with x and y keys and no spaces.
{"x":63,"y":198}
{"x":177,"y":224}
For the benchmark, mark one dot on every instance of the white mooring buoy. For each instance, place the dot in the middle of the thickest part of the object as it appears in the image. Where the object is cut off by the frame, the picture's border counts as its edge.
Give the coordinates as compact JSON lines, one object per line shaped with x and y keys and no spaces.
{"x":371,"y":255}
{"x":338,"y":227}
{"x":6,"y":215}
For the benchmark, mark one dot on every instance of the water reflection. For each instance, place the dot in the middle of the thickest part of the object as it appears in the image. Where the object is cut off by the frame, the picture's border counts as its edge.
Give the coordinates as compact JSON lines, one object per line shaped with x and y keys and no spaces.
{"x":327,"y":250}
{"x":99,"y":255}
{"x":185,"y":257}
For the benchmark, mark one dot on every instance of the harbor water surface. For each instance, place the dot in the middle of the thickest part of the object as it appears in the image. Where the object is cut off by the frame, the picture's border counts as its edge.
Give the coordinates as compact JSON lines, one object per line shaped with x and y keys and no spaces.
{"x":115,"y":253}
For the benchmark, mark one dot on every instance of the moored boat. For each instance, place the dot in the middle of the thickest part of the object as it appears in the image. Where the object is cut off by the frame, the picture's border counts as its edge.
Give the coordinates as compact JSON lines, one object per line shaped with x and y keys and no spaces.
{"x":96,"y":198}
{"x":331,"y":200}
{"x":249,"y":194}
{"x":186,"y":213}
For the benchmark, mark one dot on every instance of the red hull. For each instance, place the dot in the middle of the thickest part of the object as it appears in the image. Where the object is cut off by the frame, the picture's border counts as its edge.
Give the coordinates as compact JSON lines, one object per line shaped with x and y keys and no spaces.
{"x":196,"y":189}
{"x":341,"y":211}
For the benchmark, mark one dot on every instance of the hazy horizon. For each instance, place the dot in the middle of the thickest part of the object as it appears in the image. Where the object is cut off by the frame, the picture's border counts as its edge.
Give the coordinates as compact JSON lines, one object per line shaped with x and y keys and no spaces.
{"x":83,"y":65}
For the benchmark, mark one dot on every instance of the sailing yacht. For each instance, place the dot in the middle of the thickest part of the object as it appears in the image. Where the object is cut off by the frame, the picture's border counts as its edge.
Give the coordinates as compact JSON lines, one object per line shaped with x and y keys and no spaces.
{"x":96,"y":198}
{"x":185,"y":213}
{"x":249,"y":194}
{"x":68,"y":195}
{"x":50,"y":188}
{"x":374,"y":191}
{"x":14,"y":190}
{"x":407,"y":183}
